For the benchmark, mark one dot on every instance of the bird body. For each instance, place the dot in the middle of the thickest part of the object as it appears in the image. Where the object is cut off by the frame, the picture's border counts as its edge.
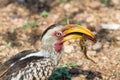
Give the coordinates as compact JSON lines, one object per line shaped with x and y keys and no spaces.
{"x":30,"y":66}
{"x":38,"y":65}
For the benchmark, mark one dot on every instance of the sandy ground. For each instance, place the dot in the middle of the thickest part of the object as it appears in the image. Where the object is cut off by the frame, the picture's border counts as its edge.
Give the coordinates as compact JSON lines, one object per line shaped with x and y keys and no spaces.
{"x":93,"y":14}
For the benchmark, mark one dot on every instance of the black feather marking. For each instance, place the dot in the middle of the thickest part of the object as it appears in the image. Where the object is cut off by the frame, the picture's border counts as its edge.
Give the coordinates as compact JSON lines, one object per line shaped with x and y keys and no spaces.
{"x":50,"y":27}
{"x":19,"y":56}
{"x":6,"y":65}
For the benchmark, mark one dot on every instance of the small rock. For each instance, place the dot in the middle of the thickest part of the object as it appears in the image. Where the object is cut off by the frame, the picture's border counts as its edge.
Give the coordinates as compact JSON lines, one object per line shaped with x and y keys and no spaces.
{"x":70,"y":8}
{"x":106,"y":46}
{"x":67,"y":6}
{"x":68,"y":49}
{"x":90,"y":19}
{"x":98,"y":28}
{"x":3,"y":3}
{"x":118,"y":38}
{"x":94,"y":4}
{"x":21,"y":1}
{"x":97,"y":46}
{"x":104,"y":58}
{"x":111,"y":26}
{"x":117,"y":50}
{"x":118,"y":43}
{"x":91,"y":53}
{"x":114,"y":2}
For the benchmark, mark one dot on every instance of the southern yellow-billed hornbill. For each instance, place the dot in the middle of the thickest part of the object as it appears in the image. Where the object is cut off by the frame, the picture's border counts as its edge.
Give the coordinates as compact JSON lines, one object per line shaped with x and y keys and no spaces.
{"x":38,"y":65}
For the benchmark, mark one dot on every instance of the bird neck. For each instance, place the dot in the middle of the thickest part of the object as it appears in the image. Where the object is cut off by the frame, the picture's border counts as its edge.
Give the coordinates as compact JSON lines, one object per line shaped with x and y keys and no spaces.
{"x":51,"y":53}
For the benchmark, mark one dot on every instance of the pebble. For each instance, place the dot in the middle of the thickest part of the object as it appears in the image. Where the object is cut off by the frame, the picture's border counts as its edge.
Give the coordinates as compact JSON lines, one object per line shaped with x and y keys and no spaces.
{"x":21,"y":1}
{"x":118,"y":43}
{"x":68,"y":49}
{"x":70,"y":8}
{"x":90,"y":19}
{"x":106,"y":46}
{"x":110,"y":26}
{"x":114,"y":2}
{"x":118,"y":38}
{"x":94,"y":5}
{"x":91,"y":53}
{"x":97,"y":46}
{"x":67,"y":6}
{"x":117,"y":50}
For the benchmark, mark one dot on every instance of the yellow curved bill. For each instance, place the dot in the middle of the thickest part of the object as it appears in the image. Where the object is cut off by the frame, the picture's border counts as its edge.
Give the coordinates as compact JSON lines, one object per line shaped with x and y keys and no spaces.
{"x":77,"y":31}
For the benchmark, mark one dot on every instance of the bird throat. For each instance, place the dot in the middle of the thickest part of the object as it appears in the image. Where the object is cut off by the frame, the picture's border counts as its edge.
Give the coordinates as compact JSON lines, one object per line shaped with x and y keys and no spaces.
{"x":58,"y":46}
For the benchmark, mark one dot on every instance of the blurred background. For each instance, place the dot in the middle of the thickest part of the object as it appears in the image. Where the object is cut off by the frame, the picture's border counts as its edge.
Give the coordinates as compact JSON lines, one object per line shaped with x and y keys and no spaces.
{"x":23,"y":21}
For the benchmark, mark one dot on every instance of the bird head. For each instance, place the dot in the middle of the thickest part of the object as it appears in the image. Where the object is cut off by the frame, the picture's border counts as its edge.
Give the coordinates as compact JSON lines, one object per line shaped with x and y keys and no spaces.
{"x":55,"y":35}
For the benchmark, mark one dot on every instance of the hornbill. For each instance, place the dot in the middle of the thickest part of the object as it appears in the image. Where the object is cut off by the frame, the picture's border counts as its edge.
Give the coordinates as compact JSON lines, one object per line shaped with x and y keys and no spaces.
{"x":38,"y":65}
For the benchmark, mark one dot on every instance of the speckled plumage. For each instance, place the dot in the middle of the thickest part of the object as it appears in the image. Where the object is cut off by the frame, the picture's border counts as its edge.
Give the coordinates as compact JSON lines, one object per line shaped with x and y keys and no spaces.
{"x":31,"y":68}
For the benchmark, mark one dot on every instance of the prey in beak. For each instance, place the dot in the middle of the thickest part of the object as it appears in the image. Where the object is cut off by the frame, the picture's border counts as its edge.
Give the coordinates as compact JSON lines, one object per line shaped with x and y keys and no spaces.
{"x":77,"y":31}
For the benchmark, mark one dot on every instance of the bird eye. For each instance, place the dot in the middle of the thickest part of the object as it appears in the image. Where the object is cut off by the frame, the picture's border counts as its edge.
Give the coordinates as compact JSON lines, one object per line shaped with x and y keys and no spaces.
{"x":58,"y":34}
